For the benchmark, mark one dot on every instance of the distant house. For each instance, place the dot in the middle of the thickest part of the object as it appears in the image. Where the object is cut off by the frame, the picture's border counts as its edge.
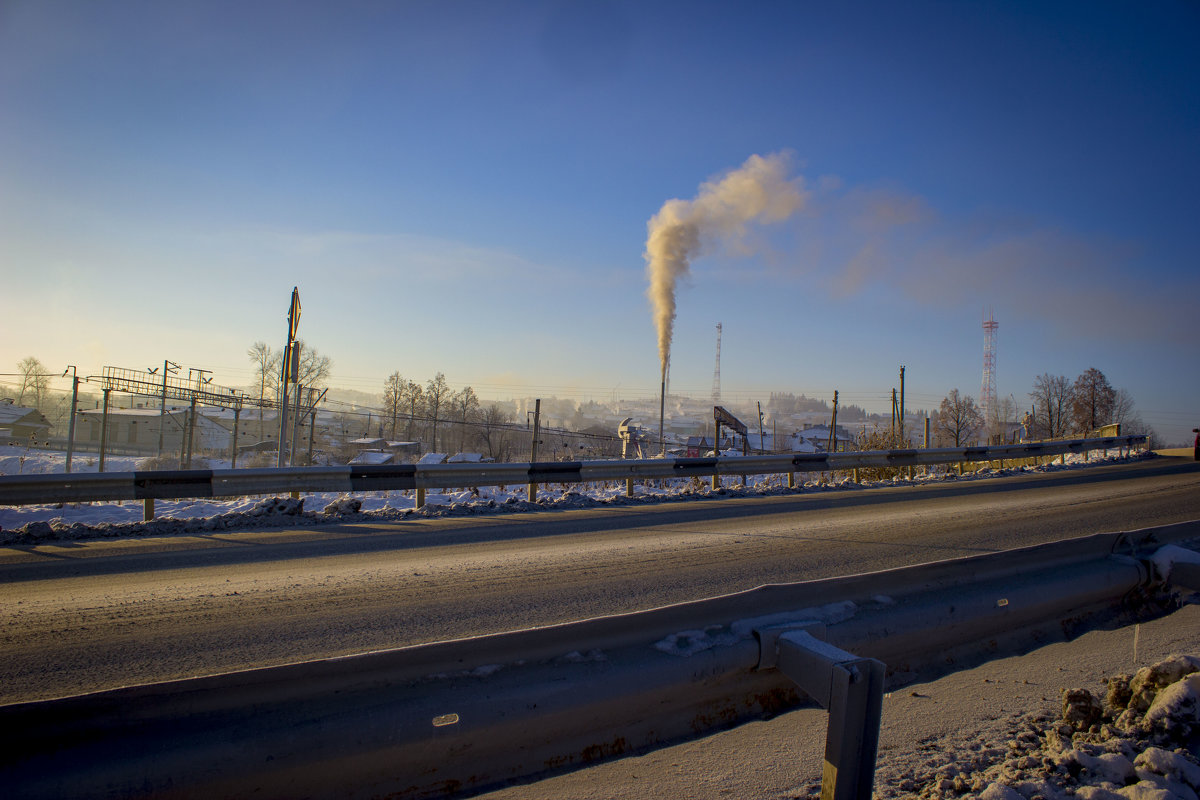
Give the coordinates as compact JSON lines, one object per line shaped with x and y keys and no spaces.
{"x":402,"y":450}
{"x":699,"y":446}
{"x":396,"y":452}
{"x":432,"y":458}
{"x":818,"y":437}
{"x":797,"y":444}
{"x":137,"y":429}
{"x":465,"y":458}
{"x":20,"y":424}
{"x":254,"y":424}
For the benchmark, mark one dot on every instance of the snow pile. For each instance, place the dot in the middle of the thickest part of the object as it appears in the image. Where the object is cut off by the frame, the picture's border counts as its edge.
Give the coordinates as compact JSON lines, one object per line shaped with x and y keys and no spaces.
{"x":1168,"y":556}
{"x":277,"y":505}
{"x":343,"y":506}
{"x":1133,"y":744}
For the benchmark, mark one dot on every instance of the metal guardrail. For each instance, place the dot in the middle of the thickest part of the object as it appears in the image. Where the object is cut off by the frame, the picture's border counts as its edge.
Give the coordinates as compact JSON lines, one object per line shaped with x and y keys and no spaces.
{"x":180,"y":484}
{"x":463,"y":716}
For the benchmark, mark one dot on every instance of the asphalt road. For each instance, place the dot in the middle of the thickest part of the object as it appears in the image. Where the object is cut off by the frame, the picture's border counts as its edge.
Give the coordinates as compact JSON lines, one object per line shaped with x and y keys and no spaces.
{"x":83,"y":616}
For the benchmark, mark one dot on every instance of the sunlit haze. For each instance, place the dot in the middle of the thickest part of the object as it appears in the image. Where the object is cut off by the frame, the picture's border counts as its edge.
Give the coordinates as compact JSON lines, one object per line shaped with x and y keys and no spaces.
{"x":466,"y":188}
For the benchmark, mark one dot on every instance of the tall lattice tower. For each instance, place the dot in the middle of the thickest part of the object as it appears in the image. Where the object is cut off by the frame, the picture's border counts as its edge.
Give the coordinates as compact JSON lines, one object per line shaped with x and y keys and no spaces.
{"x":716,"y":393}
{"x":987,"y":392}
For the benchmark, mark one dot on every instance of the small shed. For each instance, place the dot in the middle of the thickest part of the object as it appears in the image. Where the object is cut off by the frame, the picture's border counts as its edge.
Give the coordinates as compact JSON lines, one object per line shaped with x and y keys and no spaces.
{"x":400,"y":449}
{"x":21,"y":424}
{"x":372,"y":458}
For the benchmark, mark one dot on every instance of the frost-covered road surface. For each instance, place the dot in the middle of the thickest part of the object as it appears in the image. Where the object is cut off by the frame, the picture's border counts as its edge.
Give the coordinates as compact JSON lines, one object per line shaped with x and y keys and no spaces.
{"x":81,"y":616}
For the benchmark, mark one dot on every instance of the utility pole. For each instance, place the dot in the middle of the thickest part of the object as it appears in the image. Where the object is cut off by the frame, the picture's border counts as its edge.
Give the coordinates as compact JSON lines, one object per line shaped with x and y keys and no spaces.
{"x":237,"y":412}
{"x":289,"y":369}
{"x":191,"y":430}
{"x":833,"y":425}
{"x":902,"y":440}
{"x":168,"y":367}
{"x":200,"y":381}
{"x":298,"y":420}
{"x":533,"y":448}
{"x":313,"y":399}
{"x":761,"y":449}
{"x":104,"y":429}
{"x":74,"y":402}
{"x":894,"y":410}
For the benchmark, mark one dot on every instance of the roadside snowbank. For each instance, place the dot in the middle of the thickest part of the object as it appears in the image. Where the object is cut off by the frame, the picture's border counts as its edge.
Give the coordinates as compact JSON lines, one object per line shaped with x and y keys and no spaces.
{"x":1130,"y":744}
{"x":76,"y":521}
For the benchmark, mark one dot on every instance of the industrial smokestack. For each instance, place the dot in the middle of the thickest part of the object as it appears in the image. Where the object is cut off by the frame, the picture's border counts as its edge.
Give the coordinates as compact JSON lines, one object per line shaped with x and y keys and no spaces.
{"x":757,"y":191}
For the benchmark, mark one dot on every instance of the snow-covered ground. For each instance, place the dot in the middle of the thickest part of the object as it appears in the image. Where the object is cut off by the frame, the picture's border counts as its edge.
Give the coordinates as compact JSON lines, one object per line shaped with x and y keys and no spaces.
{"x":70,"y":521}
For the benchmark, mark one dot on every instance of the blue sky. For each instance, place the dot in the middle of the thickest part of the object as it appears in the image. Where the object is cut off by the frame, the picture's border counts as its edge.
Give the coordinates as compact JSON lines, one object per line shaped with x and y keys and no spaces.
{"x":464,"y":187}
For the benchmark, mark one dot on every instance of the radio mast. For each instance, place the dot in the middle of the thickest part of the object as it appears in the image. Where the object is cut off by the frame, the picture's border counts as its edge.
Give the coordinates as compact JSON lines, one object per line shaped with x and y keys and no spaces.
{"x":716,"y":389}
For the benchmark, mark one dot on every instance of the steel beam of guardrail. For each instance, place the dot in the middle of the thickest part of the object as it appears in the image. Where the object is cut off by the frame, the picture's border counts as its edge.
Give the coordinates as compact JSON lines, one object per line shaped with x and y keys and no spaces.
{"x":461,"y":716}
{"x":851,"y":688}
{"x":181,"y":484}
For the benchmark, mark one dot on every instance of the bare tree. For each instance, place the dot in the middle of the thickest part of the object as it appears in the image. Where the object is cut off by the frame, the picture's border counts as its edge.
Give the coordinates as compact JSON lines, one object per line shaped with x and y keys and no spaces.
{"x":314,"y":368}
{"x":958,"y":421}
{"x":437,"y":394}
{"x":266,"y":372}
{"x":393,"y":398}
{"x":465,"y":404}
{"x":1051,"y":398}
{"x":1123,"y":411}
{"x":1125,"y":414}
{"x":33,"y":380}
{"x":1006,"y":415}
{"x":495,"y":431}
{"x":414,"y":398}
{"x":1091,"y":401}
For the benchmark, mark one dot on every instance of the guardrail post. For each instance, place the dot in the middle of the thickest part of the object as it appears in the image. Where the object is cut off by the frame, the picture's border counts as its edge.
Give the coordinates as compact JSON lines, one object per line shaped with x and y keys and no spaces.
{"x":420,"y":501}
{"x":629,"y":487}
{"x":148,"y":509}
{"x":850,"y":688}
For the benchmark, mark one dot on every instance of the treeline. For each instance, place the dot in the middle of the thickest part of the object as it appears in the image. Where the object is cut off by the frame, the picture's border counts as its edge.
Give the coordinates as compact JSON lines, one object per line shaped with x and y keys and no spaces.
{"x":433,"y":412}
{"x":784,"y":404}
{"x":1059,"y":408}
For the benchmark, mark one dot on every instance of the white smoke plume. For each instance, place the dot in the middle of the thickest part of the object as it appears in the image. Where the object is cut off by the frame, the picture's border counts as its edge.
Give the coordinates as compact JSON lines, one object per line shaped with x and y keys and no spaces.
{"x":757,"y":191}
